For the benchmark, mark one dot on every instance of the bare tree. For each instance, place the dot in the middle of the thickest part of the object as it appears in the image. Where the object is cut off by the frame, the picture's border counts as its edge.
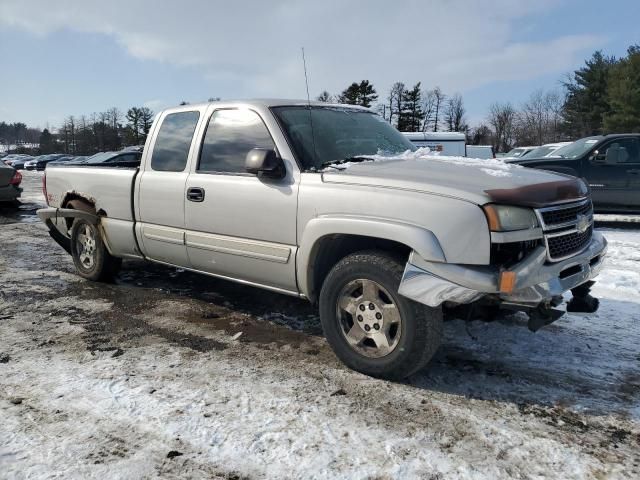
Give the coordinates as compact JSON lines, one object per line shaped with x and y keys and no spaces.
{"x":502,"y":117}
{"x":481,"y":135}
{"x":428,"y":107}
{"x":394,"y":100}
{"x":439,"y":100}
{"x":540,"y":118}
{"x":454,"y":114}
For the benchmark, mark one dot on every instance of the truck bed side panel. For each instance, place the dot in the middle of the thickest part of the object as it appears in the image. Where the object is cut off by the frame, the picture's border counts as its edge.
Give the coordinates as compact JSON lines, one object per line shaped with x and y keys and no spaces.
{"x":109,"y":190}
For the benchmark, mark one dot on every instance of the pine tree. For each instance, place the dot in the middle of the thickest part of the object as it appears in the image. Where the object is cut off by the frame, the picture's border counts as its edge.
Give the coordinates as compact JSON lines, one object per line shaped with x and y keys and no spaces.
{"x":587,"y":102}
{"x":362,"y":94}
{"x":351,"y":94}
{"x":133,"y":125}
{"x":623,"y":94}
{"x":368,"y":94}
{"x":146,"y":120}
{"x":325,"y":97}
{"x":46,"y":142}
{"x":412,"y":115}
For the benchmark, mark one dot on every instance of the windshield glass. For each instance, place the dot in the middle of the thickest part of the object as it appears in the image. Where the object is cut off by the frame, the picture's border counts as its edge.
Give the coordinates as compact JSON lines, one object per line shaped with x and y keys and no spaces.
{"x":338,"y":134}
{"x":577,"y":148}
{"x":539,"y":152}
{"x":516,"y":152}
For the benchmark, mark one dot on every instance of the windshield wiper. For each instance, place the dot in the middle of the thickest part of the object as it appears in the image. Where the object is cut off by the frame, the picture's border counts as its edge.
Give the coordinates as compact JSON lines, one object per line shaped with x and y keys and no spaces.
{"x":355,"y":159}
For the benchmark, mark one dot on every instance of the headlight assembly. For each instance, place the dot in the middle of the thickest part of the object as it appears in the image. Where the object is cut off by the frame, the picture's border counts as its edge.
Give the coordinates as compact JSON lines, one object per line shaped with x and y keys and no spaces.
{"x":504,"y":218}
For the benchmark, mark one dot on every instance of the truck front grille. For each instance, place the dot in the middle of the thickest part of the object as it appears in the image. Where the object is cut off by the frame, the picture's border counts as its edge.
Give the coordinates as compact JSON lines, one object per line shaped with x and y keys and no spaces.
{"x":563,"y":246}
{"x":567,"y":228}
{"x":566,"y":215}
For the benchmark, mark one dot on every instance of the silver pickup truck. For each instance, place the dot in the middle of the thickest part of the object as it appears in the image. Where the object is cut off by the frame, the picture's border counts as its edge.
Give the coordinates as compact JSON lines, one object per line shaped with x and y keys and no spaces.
{"x":332,"y":204}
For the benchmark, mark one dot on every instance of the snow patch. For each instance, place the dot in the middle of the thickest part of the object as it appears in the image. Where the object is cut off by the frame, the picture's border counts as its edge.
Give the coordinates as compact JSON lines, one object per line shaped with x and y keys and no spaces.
{"x":491,"y":166}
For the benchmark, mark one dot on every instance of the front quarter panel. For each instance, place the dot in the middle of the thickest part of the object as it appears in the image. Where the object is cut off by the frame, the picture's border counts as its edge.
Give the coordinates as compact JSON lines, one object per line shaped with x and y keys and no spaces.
{"x":439,"y":228}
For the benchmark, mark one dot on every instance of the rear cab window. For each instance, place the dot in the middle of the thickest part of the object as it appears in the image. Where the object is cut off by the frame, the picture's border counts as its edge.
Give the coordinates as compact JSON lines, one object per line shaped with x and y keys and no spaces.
{"x":172,"y":144}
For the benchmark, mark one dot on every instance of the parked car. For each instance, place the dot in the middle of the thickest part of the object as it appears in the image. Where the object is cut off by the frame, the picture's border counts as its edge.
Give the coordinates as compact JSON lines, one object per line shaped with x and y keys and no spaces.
{"x":480,"y":151}
{"x":384,"y":244}
{"x":18,"y":163}
{"x":133,"y":148}
{"x":112,"y":159}
{"x":517,"y":152}
{"x":443,"y":143}
{"x":9,"y":159}
{"x":546,"y":150}
{"x":10,"y":180}
{"x":610,"y":164}
{"x":40,"y":163}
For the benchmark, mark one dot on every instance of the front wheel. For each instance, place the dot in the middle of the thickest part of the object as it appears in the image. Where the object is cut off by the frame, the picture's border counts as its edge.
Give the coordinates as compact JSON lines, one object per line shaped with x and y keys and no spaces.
{"x":372,"y":328}
{"x":90,"y":256}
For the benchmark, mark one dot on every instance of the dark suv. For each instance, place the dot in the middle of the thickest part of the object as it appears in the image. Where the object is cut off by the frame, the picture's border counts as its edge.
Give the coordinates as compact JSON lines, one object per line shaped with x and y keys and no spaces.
{"x":610,"y":164}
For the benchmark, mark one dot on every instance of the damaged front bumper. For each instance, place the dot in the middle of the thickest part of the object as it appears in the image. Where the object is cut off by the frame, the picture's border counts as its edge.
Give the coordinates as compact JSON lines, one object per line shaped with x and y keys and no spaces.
{"x":537,"y":281}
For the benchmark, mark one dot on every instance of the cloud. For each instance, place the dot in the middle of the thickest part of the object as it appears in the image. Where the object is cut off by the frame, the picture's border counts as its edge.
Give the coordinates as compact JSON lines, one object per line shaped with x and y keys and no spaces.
{"x":252,"y":48}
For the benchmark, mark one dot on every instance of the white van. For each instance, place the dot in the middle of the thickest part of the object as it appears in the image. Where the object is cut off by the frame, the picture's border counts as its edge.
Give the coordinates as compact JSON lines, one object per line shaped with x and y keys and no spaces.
{"x":445,"y":143}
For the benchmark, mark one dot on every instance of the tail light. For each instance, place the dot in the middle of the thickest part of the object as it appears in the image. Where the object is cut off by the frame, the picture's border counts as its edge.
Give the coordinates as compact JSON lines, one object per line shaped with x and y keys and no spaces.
{"x":17,"y":178}
{"x":44,"y":187}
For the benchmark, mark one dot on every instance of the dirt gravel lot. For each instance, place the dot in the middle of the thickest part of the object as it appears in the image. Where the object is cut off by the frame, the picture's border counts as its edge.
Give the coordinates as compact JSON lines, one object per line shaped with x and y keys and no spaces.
{"x":169,"y":374}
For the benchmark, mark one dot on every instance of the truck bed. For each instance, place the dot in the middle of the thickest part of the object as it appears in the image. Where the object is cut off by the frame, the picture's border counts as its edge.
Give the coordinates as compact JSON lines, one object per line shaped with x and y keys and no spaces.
{"x":110,"y":189}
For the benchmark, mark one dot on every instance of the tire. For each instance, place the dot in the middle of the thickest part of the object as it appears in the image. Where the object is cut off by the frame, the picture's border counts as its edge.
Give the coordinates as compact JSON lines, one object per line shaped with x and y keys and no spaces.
{"x":90,"y":256}
{"x":392,"y":337}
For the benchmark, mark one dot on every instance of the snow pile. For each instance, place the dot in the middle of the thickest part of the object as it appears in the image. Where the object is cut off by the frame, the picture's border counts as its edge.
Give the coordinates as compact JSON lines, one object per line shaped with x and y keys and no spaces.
{"x":491,"y":166}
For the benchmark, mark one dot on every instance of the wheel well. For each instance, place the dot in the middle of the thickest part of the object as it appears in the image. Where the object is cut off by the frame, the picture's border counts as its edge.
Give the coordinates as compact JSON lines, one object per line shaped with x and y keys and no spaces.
{"x":77,"y":202}
{"x":331,"y":249}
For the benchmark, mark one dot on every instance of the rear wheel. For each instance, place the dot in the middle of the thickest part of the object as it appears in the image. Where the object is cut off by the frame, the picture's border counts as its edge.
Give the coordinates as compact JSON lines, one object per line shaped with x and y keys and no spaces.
{"x":372,"y":328}
{"x":90,"y":256}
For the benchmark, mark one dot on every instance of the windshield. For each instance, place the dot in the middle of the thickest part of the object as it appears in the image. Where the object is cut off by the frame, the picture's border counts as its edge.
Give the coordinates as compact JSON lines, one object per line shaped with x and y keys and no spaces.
{"x":539,"y":152}
{"x":516,"y":152}
{"x":577,"y":148}
{"x":338,"y":134}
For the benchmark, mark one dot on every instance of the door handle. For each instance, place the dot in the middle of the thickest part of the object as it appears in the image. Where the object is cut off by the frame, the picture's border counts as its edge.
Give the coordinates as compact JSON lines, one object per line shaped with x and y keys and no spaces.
{"x":195,"y":194}
{"x":634,"y":171}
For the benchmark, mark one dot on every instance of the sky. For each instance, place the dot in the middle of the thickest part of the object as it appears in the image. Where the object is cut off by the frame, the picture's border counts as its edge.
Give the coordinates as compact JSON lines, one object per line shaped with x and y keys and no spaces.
{"x":77,"y":57}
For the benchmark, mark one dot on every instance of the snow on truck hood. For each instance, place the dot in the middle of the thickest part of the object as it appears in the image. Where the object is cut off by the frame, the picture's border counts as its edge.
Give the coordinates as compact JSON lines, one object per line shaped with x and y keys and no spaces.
{"x":476,"y":180}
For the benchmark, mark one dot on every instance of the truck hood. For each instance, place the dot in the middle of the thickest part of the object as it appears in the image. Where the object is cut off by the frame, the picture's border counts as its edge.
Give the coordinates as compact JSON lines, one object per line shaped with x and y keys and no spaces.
{"x":473,"y":180}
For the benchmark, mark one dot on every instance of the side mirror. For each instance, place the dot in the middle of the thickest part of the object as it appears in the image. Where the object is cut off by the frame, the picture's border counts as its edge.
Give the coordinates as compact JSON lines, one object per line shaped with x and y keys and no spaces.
{"x":596,"y":157}
{"x":264,"y":162}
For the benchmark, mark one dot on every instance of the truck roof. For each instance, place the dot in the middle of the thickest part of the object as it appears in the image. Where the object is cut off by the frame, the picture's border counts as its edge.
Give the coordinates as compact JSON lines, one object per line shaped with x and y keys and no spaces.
{"x":269,"y":102}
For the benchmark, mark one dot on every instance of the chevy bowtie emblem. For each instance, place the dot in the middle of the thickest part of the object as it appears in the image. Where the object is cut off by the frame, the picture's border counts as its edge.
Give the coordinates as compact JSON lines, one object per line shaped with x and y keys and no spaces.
{"x":583,"y":223}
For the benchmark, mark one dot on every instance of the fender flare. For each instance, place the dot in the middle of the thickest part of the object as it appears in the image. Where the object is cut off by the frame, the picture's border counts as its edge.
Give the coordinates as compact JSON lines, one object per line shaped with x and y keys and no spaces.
{"x":421,"y":240}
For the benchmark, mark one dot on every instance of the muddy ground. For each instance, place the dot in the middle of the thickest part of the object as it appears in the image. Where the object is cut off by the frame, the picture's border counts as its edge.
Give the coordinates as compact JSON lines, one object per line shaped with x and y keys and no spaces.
{"x":170,"y":374}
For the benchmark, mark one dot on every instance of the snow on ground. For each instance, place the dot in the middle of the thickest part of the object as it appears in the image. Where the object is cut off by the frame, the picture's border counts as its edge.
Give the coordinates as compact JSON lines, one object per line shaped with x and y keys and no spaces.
{"x":147,"y":378}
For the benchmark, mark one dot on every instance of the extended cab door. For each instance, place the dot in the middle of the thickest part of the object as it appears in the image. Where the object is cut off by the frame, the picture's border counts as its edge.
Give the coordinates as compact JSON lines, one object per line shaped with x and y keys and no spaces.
{"x":613,"y":171}
{"x":160,"y":188}
{"x":239,"y":225}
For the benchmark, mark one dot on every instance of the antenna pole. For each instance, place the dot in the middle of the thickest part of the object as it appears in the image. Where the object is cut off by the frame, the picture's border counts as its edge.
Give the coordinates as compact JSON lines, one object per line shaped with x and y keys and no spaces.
{"x":306,"y":81}
{"x":306,"y":78}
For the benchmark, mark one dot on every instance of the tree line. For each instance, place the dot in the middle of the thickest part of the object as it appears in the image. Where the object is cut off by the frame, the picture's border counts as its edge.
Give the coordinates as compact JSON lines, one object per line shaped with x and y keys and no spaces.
{"x":602,"y":96}
{"x":82,"y":135}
